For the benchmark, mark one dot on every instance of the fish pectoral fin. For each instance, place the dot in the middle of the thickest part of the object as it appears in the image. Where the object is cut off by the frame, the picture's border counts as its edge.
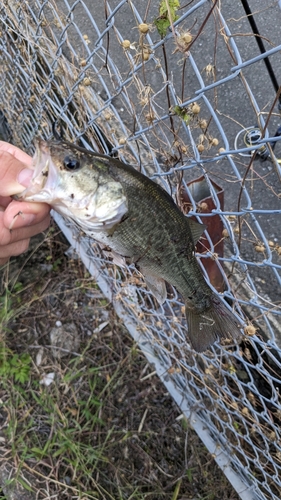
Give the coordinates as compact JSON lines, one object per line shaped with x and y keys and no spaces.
{"x":196,"y":229}
{"x":117,"y":259}
{"x":156,"y":285}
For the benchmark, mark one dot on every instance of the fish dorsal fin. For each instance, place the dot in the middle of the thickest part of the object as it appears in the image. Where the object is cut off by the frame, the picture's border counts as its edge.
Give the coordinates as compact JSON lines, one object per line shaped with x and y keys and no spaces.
{"x":196,"y":229}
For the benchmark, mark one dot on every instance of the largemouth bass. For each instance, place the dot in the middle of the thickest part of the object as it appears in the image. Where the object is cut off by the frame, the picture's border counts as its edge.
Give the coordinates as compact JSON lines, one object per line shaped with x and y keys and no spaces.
{"x":126,"y":211}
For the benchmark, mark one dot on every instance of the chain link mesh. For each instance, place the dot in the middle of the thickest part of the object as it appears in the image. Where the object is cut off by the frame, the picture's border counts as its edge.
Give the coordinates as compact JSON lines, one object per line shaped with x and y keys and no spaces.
{"x":178,"y":104}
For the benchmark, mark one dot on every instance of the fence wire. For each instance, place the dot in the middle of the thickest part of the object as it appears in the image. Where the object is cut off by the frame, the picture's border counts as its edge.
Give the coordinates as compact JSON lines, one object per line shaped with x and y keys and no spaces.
{"x":184,"y":103}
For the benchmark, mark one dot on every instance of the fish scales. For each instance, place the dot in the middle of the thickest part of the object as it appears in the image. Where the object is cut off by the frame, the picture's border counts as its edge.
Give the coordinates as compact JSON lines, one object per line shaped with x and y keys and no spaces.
{"x":128,"y":212}
{"x":158,"y":237}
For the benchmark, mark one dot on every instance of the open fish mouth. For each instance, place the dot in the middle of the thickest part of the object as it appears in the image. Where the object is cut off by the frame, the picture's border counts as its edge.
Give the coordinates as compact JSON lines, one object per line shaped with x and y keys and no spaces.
{"x":45,"y":177}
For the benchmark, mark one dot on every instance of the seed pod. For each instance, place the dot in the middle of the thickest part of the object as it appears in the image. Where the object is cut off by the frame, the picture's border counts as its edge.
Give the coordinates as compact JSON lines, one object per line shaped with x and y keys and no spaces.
{"x":225,"y":233}
{"x":195,"y":108}
{"x":150,"y":117}
{"x":250,"y":330}
{"x":87,"y":81}
{"x":126,"y":44}
{"x":145,"y":55}
{"x":214,"y":142}
{"x":260,"y":248}
{"x":186,"y":37}
{"x":203,"y":124}
{"x":143,"y":28}
{"x":200,"y":148}
{"x":203,"y":206}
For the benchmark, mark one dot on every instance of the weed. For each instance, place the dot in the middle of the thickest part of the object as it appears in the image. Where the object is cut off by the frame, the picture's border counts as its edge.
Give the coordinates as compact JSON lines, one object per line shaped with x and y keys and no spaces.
{"x":14,"y":366}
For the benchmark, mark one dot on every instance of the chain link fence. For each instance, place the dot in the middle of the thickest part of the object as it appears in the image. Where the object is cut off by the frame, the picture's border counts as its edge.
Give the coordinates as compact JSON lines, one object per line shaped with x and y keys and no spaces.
{"x":193,"y":108}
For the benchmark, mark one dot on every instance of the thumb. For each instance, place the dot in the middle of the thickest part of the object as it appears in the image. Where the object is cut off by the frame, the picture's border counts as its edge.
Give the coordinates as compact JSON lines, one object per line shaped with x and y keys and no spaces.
{"x":14,"y":174}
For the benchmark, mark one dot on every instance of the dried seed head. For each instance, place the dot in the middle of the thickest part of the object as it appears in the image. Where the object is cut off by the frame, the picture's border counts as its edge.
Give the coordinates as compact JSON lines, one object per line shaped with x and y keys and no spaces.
{"x":260,"y":248}
{"x":107,"y":116}
{"x":250,"y":330}
{"x":203,"y":124}
{"x":143,"y":28}
{"x":251,"y":398}
{"x":83,"y":62}
{"x":122,"y":141}
{"x":271,"y":243}
{"x":87,"y":81}
{"x":278,"y":250}
{"x":195,"y":108}
{"x":200,"y":148}
{"x":210,"y":70}
{"x":126,"y":44}
{"x":150,"y":117}
{"x":186,"y":37}
{"x":272,"y":435}
{"x":225,"y":233}
{"x":203,"y":206}
{"x":85,"y":37}
{"x":221,"y":150}
{"x":215,"y":142}
{"x":145,"y":54}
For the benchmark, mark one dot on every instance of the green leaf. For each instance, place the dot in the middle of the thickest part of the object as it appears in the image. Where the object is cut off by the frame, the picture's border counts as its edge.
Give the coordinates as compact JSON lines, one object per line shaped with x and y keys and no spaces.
{"x":24,"y":484}
{"x":162,"y":22}
{"x":182,"y":113}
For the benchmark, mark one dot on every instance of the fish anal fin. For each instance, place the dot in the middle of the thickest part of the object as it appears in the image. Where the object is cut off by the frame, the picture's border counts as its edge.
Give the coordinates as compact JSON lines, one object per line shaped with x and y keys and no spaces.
{"x":196,"y":229}
{"x":156,"y":285}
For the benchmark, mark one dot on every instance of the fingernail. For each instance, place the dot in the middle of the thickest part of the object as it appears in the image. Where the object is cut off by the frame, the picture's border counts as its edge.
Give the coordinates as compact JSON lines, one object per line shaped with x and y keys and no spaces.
{"x":26,"y":220}
{"x":25,"y":176}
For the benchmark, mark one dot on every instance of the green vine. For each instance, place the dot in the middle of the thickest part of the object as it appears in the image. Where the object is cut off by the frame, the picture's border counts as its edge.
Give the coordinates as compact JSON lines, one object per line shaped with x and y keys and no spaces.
{"x":165,"y":18}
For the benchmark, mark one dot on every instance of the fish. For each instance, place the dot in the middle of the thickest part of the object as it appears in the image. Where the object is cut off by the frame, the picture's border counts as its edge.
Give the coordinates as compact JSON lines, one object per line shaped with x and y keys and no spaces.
{"x":137,"y":219}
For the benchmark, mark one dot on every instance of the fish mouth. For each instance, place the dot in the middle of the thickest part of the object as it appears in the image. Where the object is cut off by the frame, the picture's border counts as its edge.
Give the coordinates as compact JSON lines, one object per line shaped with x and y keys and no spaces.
{"x":45,"y":176}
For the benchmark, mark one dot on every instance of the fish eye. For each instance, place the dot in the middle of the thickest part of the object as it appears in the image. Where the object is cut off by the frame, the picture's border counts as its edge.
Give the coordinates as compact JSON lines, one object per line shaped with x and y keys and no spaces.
{"x":71,"y":163}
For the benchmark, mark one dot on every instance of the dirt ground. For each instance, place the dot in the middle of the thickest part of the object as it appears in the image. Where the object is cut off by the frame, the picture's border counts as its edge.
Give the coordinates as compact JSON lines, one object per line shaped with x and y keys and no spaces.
{"x":83,"y":416}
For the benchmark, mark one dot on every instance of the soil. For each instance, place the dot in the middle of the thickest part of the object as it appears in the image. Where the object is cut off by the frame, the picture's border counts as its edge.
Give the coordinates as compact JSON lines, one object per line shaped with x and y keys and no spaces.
{"x":145,"y":449}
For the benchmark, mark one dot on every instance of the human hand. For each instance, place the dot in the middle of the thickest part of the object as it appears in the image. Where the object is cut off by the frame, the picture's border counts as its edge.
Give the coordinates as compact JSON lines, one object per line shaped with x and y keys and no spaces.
{"x":19,"y":221}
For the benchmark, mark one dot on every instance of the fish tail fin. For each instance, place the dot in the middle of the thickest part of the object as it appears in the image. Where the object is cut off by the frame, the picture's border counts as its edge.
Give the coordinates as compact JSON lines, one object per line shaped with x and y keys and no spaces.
{"x":217,"y":322}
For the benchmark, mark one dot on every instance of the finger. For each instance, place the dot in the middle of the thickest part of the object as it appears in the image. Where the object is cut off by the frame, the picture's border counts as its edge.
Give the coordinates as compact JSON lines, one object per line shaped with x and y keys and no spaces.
{"x":3,"y":261}
{"x":13,"y":174}
{"x":20,"y":214}
{"x":16,"y":152}
{"x":8,"y":237}
{"x":4,"y":201}
{"x":13,"y":250}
